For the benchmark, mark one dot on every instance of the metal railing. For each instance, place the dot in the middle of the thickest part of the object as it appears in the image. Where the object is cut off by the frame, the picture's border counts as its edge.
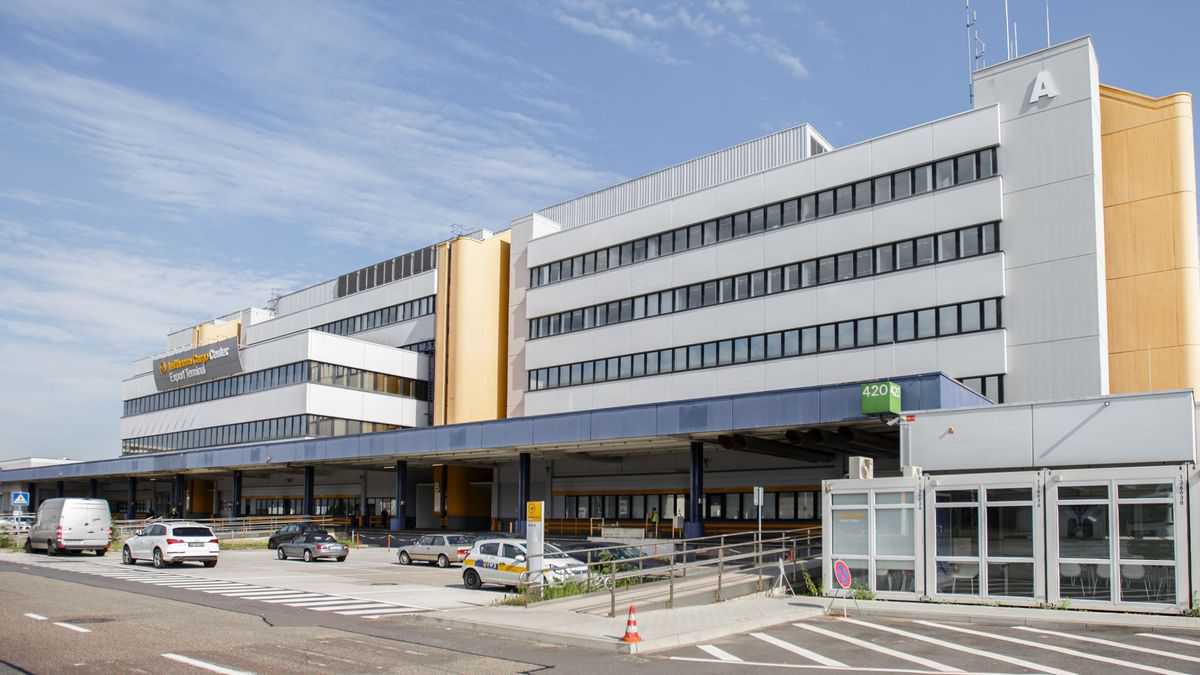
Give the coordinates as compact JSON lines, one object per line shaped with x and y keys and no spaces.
{"x":752,"y":554}
{"x":248,"y":527}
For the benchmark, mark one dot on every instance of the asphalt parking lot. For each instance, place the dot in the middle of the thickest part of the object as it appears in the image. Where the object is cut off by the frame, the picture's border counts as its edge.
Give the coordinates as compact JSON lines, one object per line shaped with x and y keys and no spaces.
{"x":931,"y":646}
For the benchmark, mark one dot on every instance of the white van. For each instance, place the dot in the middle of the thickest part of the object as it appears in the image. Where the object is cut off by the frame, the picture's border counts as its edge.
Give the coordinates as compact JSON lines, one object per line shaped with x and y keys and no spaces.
{"x":71,"y":525}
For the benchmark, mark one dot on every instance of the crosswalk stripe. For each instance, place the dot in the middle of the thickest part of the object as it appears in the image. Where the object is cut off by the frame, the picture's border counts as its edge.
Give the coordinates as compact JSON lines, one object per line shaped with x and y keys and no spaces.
{"x":919,"y":660}
{"x":1052,"y":648}
{"x":197,"y":584}
{"x":961,"y":648}
{"x":796,"y":649}
{"x":286,"y":595}
{"x":1171,"y":638}
{"x":393,"y":610}
{"x":1110,"y":643}
{"x":246,"y":590}
{"x":360,"y":605}
{"x":306,"y":596}
{"x":321,"y":603}
{"x":804,"y":666}
{"x":718,"y":653}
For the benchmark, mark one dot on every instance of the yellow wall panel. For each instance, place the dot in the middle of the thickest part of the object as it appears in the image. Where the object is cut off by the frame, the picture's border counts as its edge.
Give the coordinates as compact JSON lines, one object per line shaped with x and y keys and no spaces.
{"x":1151,"y":258}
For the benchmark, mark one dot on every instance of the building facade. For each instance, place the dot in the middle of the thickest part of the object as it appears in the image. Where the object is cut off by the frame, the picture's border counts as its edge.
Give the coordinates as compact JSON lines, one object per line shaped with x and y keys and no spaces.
{"x":648,"y":348}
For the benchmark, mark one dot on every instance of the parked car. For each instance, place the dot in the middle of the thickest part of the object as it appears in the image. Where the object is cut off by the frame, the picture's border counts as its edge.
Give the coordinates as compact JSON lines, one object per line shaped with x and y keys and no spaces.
{"x":503,"y":562}
{"x":17,"y":523}
{"x":172,"y":544}
{"x":311,"y":545}
{"x":441,"y":549}
{"x":625,"y":557}
{"x":71,"y":524}
{"x":289,"y":532}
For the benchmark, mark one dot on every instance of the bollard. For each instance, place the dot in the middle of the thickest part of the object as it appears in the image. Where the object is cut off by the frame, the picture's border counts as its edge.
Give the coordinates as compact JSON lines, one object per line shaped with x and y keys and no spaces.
{"x":389,"y":541}
{"x":589,"y":571}
{"x":671,"y":589}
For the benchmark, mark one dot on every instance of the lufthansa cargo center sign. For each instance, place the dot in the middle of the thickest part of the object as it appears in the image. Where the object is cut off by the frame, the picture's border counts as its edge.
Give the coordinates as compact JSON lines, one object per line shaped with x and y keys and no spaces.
{"x":219,"y":359}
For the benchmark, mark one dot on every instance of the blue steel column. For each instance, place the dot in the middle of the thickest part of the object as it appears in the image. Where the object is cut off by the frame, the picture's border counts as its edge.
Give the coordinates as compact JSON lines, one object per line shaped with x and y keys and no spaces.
{"x":523,"y":464}
{"x":33,"y":496}
{"x":310,"y":477}
{"x":93,"y":488}
{"x":400,"y":492}
{"x":237,"y":494}
{"x":694,"y":526}
{"x":178,"y":493}
{"x":131,"y":499}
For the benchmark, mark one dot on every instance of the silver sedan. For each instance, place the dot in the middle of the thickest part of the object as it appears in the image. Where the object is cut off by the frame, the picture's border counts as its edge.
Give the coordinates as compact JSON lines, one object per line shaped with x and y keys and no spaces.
{"x":311,"y":546}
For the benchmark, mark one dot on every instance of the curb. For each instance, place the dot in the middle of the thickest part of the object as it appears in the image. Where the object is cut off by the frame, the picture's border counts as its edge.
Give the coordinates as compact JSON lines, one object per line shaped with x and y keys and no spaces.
{"x":1088,"y":619}
{"x":522,"y":633}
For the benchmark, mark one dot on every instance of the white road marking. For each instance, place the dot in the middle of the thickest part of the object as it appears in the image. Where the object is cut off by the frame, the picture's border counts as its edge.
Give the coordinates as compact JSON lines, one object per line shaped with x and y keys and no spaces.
{"x":205,"y":665}
{"x":77,"y":629}
{"x":1110,"y":643}
{"x":291,"y":595}
{"x":796,"y":649}
{"x":306,"y":596}
{"x":380,"y":612}
{"x":36,"y":617}
{"x":260,"y":594}
{"x":807,"y":666}
{"x":1052,"y":648}
{"x":358,"y":605}
{"x":919,"y":660}
{"x":1171,"y":638}
{"x":319,"y":603}
{"x":719,"y":653}
{"x":246,"y":590}
{"x":961,"y":648}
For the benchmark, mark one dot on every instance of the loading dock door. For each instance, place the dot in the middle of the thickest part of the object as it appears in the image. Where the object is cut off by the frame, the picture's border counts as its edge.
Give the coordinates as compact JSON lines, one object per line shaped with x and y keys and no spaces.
{"x":1118,"y":537}
{"x":985,"y":536}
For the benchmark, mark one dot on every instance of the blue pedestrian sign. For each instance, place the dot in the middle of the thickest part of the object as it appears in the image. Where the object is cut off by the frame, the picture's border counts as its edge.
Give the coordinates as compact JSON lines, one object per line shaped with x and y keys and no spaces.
{"x":20,"y":500}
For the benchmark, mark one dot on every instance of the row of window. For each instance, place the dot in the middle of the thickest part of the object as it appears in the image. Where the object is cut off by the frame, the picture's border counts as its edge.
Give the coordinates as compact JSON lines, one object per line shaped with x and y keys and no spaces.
{"x":718,"y":506}
{"x":286,"y":506}
{"x":899,"y":255}
{"x":422,"y":347}
{"x":918,"y":324}
{"x":889,"y":187}
{"x":380,"y":317}
{"x":258,"y":431}
{"x":416,"y":262}
{"x":314,"y":372}
{"x":990,"y":387}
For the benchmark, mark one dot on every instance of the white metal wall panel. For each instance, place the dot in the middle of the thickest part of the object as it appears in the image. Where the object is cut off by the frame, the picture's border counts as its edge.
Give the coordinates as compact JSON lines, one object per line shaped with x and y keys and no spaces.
{"x":304,"y":298}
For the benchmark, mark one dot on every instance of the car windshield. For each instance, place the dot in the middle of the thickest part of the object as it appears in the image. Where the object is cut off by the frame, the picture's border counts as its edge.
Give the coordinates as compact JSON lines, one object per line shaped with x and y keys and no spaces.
{"x":458,"y":540}
{"x":320,"y":536}
{"x":191,"y":532}
{"x":555,"y":552}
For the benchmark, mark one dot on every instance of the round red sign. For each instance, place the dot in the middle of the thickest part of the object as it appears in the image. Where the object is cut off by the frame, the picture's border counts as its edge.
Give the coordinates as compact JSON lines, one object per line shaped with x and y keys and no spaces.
{"x":841,"y":572}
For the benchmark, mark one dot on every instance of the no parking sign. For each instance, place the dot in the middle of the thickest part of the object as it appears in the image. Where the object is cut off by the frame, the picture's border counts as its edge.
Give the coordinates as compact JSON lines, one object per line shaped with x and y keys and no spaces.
{"x":841,"y":572}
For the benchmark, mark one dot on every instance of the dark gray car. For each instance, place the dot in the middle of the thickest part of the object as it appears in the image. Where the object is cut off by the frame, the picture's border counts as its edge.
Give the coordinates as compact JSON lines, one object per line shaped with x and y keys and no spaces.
{"x":311,"y":546}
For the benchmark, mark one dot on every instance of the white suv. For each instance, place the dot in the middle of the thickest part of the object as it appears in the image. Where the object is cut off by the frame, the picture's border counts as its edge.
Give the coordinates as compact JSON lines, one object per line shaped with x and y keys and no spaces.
{"x":503,"y":562}
{"x":172,"y":544}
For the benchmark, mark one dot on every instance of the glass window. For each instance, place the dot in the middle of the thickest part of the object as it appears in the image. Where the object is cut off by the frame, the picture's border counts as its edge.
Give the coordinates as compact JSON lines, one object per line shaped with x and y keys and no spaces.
{"x":906,"y":326}
{"x":694,"y":357}
{"x":905,"y":255}
{"x":639,"y":307}
{"x":725,"y":352}
{"x":883,"y":189}
{"x":741,"y":350}
{"x":991,"y":314}
{"x":808,"y":207}
{"x":639,"y":365}
{"x":947,"y":248}
{"x":944,"y":173}
{"x":681,"y":300}
{"x":845,"y":332}
{"x":666,"y":243}
{"x":844,"y":197}
{"x":862,"y":194}
{"x":968,"y":241}
{"x":741,"y":224}
{"x":757,"y":347}
{"x":966,"y":168}
{"x":725,"y":229}
{"x":989,"y":238}
{"x":757,"y":219}
{"x":666,"y":360}
{"x":828,"y":337}
{"x":791,"y":211}
{"x":883,"y":330}
{"x":773,"y":220}
{"x":926,"y":323}
{"x":710,"y":293}
{"x":758,"y":284}
{"x":791,"y":277}
{"x":791,"y":343}
{"x":884,"y":258}
{"x":695,"y":294}
{"x":866,"y":332}
{"x":903,"y":183}
{"x":639,"y":250}
{"x":863,"y":263}
{"x":651,"y":305}
{"x":808,"y":273}
{"x":666,"y":302}
{"x":925,"y":250}
{"x":1083,"y":531}
{"x":970,"y":317}
{"x":987,"y":163}
{"x":948,"y":320}
{"x":808,"y":340}
{"x":626,"y":366}
{"x":923,"y":179}
{"x":825,"y":270}
{"x":825,"y":203}
{"x":741,"y":286}
{"x":695,"y":236}
{"x":710,"y":232}
{"x":775,"y":280}
{"x":845,"y":266}
{"x":849,"y":532}
{"x":681,"y":239}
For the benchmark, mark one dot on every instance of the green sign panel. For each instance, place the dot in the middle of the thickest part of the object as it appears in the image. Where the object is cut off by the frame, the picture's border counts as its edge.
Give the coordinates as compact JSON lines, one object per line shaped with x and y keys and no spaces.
{"x":881,"y":397}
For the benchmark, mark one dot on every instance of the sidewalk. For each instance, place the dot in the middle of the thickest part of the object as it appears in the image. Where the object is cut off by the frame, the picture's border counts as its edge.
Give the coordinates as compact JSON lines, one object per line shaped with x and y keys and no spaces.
{"x":660,"y":629}
{"x":1022,"y":616}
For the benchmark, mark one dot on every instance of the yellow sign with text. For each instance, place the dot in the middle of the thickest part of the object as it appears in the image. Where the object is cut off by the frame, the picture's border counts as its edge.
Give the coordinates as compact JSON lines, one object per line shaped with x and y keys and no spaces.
{"x":533,"y":511}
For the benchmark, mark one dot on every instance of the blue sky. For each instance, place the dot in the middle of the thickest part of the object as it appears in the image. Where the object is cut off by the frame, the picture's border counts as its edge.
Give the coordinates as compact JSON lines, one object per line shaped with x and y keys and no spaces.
{"x":166,"y":162}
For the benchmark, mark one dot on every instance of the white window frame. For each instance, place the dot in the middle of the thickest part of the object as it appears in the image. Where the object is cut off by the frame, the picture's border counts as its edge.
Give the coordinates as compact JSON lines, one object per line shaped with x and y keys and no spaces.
{"x":870,"y":488}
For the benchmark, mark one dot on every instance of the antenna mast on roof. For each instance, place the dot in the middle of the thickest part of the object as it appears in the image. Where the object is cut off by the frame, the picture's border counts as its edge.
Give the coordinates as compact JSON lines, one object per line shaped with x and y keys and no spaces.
{"x":1008,"y":45}
{"x":970,"y":56}
{"x":1047,"y":23}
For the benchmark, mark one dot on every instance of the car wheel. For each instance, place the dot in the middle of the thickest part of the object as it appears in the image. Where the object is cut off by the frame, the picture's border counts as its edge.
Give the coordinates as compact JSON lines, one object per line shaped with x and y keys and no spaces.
{"x":341,"y":558}
{"x":280,"y":554}
{"x":442,"y":561}
{"x":158,"y":559}
{"x":127,"y":557}
{"x":308,"y":555}
{"x":101,"y":551}
{"x":471,"y":580}
{"x":28,"y":545}
{"x":404,"y":558}
{"x":210,"y":563}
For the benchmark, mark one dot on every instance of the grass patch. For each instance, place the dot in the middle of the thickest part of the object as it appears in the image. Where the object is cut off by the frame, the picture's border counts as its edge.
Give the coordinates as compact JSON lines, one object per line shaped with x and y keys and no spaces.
{"x":243,"y":544}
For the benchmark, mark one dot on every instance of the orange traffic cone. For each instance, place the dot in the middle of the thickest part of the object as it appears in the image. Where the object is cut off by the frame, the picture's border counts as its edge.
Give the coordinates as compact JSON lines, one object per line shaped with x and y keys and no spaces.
{"x":631,"y":628}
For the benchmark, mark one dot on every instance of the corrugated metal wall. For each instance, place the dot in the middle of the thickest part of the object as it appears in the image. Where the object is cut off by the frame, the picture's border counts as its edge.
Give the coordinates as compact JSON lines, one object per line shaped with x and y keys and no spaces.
{"x":763,"y":154}
{"x":308,"y":297}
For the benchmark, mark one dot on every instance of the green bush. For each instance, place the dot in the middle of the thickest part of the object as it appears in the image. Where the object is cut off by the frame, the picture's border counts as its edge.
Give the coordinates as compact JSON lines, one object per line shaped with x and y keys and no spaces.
{"x":861,"y":592}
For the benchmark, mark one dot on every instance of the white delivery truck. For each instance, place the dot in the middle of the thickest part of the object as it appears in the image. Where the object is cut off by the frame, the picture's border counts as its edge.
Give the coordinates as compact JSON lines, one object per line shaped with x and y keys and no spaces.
{"x":70,"y":524}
